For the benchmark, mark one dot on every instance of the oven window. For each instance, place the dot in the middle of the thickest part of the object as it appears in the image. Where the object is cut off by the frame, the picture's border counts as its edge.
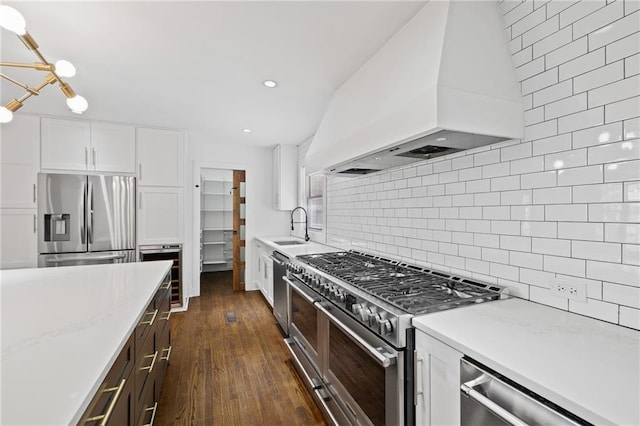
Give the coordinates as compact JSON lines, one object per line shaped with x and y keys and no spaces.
{"x":305,"y":317}
{"x":358,"y":373}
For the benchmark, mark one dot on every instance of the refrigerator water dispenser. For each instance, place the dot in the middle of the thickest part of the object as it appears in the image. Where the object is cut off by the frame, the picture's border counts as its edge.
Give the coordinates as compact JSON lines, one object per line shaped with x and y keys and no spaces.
{"x":56,"y":227}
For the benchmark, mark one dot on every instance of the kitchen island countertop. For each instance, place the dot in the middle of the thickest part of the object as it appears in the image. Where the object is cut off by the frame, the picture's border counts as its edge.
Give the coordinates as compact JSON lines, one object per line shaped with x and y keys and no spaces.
{"x":62,"y":329}
{"x":589,"y":367}
{"x":308,"y":247}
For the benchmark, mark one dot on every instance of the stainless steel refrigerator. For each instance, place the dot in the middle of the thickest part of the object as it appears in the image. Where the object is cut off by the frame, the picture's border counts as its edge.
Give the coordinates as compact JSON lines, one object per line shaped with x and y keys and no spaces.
{"x":84,"y":220}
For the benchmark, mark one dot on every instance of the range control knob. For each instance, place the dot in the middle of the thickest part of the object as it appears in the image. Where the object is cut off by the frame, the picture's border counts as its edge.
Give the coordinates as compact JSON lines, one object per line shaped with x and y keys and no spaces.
{"x":356,"y":307}
{"x":385,"y":326}
{"x":366,"y":313}
{"x":315,"y":282}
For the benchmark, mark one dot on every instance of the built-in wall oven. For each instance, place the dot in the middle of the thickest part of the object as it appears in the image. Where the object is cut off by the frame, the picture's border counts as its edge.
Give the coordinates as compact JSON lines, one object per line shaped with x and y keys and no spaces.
{"x":350,"y":330}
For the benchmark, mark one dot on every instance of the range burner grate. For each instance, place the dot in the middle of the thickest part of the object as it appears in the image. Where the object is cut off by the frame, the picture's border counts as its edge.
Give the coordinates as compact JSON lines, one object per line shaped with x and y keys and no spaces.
{"x":412,"y":289}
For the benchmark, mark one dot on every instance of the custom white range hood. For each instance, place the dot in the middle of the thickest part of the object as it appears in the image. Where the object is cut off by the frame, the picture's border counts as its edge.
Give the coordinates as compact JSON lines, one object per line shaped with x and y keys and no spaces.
{"x":443,"y":83}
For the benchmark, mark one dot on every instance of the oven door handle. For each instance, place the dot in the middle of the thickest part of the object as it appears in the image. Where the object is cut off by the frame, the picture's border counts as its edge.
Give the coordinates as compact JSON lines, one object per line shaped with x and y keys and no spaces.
{"x":300,"y":291}
{"x":385,"y":359}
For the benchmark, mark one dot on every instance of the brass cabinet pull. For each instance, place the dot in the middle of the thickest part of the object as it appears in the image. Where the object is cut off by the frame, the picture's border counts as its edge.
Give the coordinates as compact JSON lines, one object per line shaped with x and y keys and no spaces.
{"x":153,"y":361}
{"x":153,"y":318}
{"x":93,"y":156}
{"x":35,"y":191}
{"x":153,"y":415}
{"x":167,"y":317}
{"x":104,"y":418}
{"x":166,"y":358}
{"x":166,"y":287}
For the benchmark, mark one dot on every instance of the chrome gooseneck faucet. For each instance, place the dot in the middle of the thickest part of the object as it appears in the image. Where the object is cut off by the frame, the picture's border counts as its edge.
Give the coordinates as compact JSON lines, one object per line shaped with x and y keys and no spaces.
{"x":306,"y":222}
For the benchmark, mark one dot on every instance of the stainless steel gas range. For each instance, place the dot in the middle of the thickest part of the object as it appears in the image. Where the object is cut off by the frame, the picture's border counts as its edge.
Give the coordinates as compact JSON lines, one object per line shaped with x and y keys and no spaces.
{"x":350,"y":330}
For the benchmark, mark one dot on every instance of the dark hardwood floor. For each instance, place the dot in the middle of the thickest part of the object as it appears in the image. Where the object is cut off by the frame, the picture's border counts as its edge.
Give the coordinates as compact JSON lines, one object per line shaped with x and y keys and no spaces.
{"x":231,"y":372}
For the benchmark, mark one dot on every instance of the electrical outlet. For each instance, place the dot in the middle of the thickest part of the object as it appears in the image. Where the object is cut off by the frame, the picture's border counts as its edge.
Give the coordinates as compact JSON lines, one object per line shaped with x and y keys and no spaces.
{"x":568,"y":288}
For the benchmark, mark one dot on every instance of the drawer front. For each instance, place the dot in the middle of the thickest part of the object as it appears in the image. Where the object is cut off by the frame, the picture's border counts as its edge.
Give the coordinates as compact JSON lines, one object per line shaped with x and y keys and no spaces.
{"x":146,"y":367}
{"x":145,"y":325}
{"x":113,"y":403}
{"x":164,"y":348}
{"x":147,"y":406}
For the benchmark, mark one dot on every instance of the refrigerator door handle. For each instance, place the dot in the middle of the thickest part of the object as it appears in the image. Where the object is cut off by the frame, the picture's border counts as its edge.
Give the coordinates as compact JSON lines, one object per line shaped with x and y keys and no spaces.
{"x":90,"y":214}
{"x":98,"y":257}
{"x":83,"y":239}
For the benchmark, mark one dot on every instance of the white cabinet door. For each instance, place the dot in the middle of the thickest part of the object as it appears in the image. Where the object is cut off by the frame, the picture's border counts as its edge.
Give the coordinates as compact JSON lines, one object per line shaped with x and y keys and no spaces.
{"x":159,"y":215}
{"x":159,"y":157}
{"x":285,"y":183}
{"x":437,"y":382}
{"x":18,"y":239}
{"x":65,"y":144}
{"x":113,"y":148}
{"x":267,"y":277}
{"x":258,"y":265}
{"x":20,"y":158}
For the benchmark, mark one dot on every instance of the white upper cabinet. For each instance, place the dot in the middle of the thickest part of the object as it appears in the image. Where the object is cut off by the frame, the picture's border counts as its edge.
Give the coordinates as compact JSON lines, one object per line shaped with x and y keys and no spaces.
{"x":18,"y":238}
{"x":113,"y":147}
{"x":159,"y":157}
{"x":159,"y":215}
{"x":19,"y":155}
{"x":85,"y":146}
{"x":285,"y":188}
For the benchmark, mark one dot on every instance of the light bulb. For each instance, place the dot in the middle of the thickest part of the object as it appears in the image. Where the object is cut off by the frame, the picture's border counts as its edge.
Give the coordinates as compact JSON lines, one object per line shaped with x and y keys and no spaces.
{"x":5,"y":115}
{"x":65,"y":68}
{"x":77,"y":104}
{"x":270,"y":83}
{"x":12,"y":20}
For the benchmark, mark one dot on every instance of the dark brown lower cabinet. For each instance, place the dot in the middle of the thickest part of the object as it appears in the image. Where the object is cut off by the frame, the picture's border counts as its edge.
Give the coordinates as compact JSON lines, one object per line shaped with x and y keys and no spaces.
{"x":130,"y":393}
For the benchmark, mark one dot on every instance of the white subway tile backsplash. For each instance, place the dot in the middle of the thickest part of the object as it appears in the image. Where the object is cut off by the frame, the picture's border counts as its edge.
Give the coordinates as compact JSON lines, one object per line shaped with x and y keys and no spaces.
{"x":631,"y":254}
{"x":566,"y":213}
{"x":597,"y":20}
{"x":487,"y":157}
{"x":509,"y":198}
{"x":581,"y":231}
{"x":632,"y":191}
{"x":540,"y":81}
{"x":551,"y":246}
{"x":533,"y":116}
{"x":632,"y":66}
{"x":608,"y":192}
{"x":615,"y":30}
{"x":448,"y":177}
{"x":615,"y":212}
{"x":541,"y":31}
{"x":566,"y":53}
{"x":517,"y":13}
{"x":508,"y":242}
{"x":607,"y":252}
{"x":598,"y":135}
{"x":622,"y":48}
{"x":613,"y":92}
{"x":505,"y":227}
{"x":622,"y":110}
{"x":631,"y":128}
{"x":521,"y":61}
{"x":487,"y":199}
{"x":566,"y":106}
{"x":442,"y":166}
{"x":565,"y":159}
{"x":552,"y":93}
{"x":552,"y":42}
{"x":527,"y":165}
{"x":514,"y":152}
{"x":614,"y":272}
{"x":599,"y":77}
{"x":581,"y":175}
{"x":525,"y":260}
{"x":528,"y":213}
{"x":502,"y":213}
{"x":528,"y":22}
{"x":463,"y":162}
{"x":486,"y":240}
{"x":552,"y":195}
{"x":579,"y":10}
{"x":539,"y":180}
{"x":504,"y":271}
{"x":630,"y":317}
{"x":582,"y":64}
{"x":630,"y":6}
{"x":505,"y":183}
{"x":622,"y":232}
{"x":564,"y":265}
{"x":478,"y":266}
{"x":552,"y":144}
{"x":614,"y":152}
{"x":470,"y":174}
{"x":621,"y":294}
{"x":495,"y":255}
{"x":515,"y":288}
{"x":581,"y":120}
{"x":539,"y":229}
{"x":543,"y":296}
{"x":596,"y":309}
{"x":555,"y":7}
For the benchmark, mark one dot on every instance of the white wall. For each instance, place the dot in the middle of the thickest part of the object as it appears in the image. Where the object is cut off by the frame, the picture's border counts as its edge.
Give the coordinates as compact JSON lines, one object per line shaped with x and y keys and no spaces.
{"x":561,"y":202}
{"x":262,"y":219}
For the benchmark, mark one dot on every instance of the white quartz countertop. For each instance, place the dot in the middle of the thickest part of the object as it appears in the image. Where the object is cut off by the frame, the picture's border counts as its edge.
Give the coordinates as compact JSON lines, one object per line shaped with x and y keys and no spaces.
{"x":589,"y":367}
{"x":62,"y":329}
{"x":308,"y":247}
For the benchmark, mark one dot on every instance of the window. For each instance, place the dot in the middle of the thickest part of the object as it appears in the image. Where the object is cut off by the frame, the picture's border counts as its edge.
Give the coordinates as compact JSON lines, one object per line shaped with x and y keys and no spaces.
{"x":315,"y":201}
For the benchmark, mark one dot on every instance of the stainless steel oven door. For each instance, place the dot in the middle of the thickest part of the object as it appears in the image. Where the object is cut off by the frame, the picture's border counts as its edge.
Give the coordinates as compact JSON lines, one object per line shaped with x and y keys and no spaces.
{"x":363,"y":372}
{"x":303,"y":320}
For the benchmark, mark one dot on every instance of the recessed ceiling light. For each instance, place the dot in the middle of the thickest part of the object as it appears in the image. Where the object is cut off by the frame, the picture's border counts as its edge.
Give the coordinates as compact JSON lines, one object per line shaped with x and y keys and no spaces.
{"x":270,"y":83}
{"x":441,"y":139}
{"x":246,"y":130}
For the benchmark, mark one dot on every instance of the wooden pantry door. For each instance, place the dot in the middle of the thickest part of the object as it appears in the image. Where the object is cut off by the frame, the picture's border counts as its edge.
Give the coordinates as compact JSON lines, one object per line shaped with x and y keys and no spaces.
{"x":239,"y":220}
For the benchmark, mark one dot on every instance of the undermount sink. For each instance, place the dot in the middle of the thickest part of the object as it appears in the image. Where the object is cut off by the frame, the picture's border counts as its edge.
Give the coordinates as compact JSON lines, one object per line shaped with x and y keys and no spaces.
{"x":289,"y":242}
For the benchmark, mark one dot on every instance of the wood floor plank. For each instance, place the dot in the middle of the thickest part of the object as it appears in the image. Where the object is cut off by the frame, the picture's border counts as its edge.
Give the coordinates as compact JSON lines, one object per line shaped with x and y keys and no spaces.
{"x":231,"y":373}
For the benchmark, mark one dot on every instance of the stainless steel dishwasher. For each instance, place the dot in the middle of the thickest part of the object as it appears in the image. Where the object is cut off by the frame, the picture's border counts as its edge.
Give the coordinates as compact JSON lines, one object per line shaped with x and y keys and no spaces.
{"x":487,"y":398}
{"x":280,"y":293}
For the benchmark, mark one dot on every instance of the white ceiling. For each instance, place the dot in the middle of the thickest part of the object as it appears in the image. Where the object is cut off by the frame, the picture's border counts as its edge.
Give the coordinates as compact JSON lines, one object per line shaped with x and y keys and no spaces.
{"x":199,"y":66}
